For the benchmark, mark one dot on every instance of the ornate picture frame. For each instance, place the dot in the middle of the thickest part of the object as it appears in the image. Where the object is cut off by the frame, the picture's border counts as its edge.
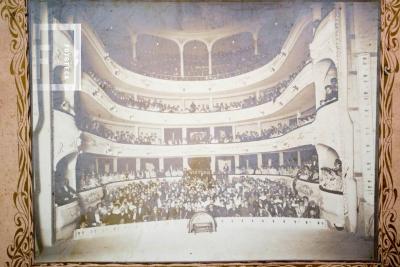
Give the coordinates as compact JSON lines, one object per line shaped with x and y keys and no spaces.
{"x":20,"y":251}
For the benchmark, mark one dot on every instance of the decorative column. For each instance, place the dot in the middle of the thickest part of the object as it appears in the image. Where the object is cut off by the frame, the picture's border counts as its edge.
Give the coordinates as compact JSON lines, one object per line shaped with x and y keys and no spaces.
{"x":137,"y":164}
{"x":280,"y":158}
{"x":255,"y":41}
{"x":184,"y":134}
{"x":259,"y":160}
{"x":209,"y":49}
{"x":237,"y":162}
{"x":137,"y":131}
{"x":185,"y":163}
{"x":115,"y":162}
{"x":134,"y":40}
{"x":212,"y":163}
{"x":181,"y":47}
{"x":161,"y":164}
{"x":212,"y":131}
{"x":162,"y":135}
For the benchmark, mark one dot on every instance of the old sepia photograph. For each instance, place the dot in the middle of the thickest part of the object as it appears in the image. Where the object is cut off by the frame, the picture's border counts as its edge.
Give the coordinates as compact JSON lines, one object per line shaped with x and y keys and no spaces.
{"x":204,"y":131}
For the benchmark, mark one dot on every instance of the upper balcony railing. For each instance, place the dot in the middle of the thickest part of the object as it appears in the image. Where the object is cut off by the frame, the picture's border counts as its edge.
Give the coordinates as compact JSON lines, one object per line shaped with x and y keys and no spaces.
{"x":274,"y":100}
{"x":220,"y":71}
{"x":191,"y":136}
{"x":304,"y":135}
{"x":294,"y":46}
{"x":296,"y":137}
{"x":199,"y":105}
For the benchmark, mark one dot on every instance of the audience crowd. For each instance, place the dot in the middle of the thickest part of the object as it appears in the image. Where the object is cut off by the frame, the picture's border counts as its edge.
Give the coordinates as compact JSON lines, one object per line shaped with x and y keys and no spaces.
{"x":119,"y":136}
{"x":89,"y":180}
{"x":281,"y":128}
{"x":128,"y":137}
{"x":159,"y":105}
{"x":307,"y":172}
{"x":230,"y":62}
{"x":241,"y":196}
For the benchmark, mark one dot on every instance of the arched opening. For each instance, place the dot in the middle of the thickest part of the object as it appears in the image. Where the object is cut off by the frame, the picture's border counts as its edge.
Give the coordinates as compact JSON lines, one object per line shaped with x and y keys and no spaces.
{"x":330,"y":85}
{"x":156,"y":56}
{"x":326,"y":82}
{"x":65,"y":180}
{"x":233,"y":55}
{"x":331,"y":186}
{"x":87,"y":172}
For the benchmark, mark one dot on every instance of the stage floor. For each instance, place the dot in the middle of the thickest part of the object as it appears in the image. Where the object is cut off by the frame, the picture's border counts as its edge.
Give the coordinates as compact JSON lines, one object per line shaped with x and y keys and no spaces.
{"x":169,"y":241}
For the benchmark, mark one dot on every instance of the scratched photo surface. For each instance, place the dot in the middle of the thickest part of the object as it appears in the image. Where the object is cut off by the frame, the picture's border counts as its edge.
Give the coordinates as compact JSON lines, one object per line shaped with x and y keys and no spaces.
{"x":198,"y":132}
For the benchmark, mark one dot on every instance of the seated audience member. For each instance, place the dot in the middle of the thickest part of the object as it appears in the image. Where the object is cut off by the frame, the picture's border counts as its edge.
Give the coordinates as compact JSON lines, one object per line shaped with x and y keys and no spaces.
{"x":312,"y":210}
{"x":114,"y":216}
{"x":90,"y":219}
{"x":338,"y":167}
{"x":64,"y":193}
{"x":331,"y":92}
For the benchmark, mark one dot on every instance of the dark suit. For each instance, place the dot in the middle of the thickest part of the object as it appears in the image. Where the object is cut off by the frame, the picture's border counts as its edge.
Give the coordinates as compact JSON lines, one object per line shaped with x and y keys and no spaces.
{"x":64,"y":194}
{"x":142,"y":214}
{"x":155,"y":216}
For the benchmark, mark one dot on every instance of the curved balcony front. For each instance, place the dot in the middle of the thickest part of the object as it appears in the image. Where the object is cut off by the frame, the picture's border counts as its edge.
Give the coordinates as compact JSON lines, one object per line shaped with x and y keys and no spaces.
{"x":302,"y":136}
{"x":292,"y":51}
{"x":300,"y":92}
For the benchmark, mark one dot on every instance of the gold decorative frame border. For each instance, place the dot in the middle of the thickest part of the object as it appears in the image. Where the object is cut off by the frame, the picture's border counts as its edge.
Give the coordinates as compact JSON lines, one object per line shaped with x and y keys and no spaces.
{"x":21,"y":251}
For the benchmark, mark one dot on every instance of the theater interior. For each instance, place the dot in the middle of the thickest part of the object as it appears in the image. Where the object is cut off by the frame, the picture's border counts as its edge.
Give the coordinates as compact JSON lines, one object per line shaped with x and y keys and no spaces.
{"x":204,"y":131}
